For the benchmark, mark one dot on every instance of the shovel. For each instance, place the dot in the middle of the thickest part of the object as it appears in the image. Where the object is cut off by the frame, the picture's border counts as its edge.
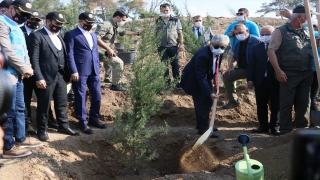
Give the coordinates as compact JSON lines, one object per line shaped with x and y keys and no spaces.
{"x":314,"y":115}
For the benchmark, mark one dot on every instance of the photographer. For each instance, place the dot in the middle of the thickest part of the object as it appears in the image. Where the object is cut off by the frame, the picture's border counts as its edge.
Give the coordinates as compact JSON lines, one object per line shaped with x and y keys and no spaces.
{"x":13,"y":43}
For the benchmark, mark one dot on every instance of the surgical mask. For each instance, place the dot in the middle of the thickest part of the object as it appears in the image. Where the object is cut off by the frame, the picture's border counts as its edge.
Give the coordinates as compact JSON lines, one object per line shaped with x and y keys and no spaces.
{"x":240,"y":18}
{"x":54,"y":28}
{"x":198,"y":24}
{"x":18,"y":18}
{"x":87,"y":27}
{"x":33,"y":25}
{"x":305,"y":24}
{"x":217,"y":51}
{"x":265,"y":39}
{"x":241,"y":37}
{"x":121,"y":23}
{"x":164,"y":15}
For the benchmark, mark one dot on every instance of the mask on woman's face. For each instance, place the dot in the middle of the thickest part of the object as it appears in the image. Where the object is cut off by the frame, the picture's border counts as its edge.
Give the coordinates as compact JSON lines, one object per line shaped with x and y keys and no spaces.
{"x":54,"y":28}
{"x":241,"y":37}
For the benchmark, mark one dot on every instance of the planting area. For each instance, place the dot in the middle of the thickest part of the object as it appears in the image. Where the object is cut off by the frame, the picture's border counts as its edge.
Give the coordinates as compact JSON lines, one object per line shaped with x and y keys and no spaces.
{"x":94,"y":157}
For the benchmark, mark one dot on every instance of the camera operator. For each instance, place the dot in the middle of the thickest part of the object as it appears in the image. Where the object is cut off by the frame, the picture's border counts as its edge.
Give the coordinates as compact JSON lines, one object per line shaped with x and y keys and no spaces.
{"x":13,"y":42}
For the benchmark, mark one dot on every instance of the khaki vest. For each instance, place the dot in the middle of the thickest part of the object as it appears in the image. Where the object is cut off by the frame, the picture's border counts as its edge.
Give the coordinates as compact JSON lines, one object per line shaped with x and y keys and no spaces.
{"x":294,"y":52}
{"x":168,"y":32}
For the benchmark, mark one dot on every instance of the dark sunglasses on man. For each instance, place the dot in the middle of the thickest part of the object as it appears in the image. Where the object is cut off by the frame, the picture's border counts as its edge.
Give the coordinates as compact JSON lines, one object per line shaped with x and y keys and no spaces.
{"x":239,"y":14}
{"x":221,"y":47}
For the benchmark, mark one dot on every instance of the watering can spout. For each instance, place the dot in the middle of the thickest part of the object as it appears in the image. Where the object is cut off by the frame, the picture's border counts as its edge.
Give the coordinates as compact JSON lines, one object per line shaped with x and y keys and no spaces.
{"x":243,"y":139}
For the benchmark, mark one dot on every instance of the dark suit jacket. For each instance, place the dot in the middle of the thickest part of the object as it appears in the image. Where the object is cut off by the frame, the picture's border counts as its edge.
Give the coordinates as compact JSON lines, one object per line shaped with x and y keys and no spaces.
{"x":197,"y":75}
{"x":24,"y":32}
{"x":44,"y":57}
{"x":252,"y":41}
{"x":80,"y":57}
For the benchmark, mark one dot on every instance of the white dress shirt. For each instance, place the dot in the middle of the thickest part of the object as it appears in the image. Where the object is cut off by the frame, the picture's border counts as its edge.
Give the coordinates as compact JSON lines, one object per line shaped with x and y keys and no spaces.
{"x":214,"y":63}
{"x":28,"y":29}
{"x":195,"y":30}
{"x":55,"y":39}
{"x":88,"y":36}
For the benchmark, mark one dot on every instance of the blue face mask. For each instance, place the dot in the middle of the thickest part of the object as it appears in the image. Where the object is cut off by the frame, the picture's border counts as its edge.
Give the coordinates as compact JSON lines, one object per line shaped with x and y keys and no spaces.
{"x":217,"y":51}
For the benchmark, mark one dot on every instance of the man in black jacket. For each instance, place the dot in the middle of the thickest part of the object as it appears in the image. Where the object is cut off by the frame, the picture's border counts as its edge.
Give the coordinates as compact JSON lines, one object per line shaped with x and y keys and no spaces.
{"x":30,"y":26}
{"x":48,"y":56}
{"x":197,"y":76}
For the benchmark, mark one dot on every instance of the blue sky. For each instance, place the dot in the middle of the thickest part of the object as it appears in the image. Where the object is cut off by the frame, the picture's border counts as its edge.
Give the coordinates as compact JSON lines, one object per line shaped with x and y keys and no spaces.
{"x":216,"y":8}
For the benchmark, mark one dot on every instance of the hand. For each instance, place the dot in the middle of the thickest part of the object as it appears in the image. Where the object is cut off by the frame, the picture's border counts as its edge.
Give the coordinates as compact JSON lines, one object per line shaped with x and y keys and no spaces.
{"x":181,"y":48}
{"x":227,"y":72}
{"x":285,"y":13}
{"x":41,"y":84}
{"x":281,"y":77}
{"x":74,"y":77}
{"x":111,"y":53}
{"x":250,"y":85}
{"x":214,"y":96}
{"x":28,"y":74}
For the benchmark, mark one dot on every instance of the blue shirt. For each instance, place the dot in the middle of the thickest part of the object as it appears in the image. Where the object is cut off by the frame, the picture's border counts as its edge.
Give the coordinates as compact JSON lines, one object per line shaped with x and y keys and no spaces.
{"x":252,"y":28}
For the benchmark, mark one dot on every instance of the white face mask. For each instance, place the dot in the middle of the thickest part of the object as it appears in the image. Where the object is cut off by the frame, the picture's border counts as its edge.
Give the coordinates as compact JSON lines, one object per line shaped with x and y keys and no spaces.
{"x":121,"y":23}
{"x":241,"y":37}
{"x":217,"y":51}
{"x":240,"y":18}
{"x":198,"y":24}
{"x":164,"y":15}
{"x":265,"y":39}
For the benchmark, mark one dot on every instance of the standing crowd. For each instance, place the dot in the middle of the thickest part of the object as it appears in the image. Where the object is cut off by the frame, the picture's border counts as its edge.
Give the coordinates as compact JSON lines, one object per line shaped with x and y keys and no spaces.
{"x":277,"y":63}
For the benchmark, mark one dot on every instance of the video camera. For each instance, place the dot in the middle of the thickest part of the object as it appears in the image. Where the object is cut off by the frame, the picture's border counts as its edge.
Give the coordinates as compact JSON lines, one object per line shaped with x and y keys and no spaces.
{"x":6,"y":91}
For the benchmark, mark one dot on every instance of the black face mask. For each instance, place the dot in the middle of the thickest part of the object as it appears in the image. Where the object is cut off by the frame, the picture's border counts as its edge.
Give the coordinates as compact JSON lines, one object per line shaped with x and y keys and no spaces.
{"x":18,"y":18}
{"x":33,"y":25}
{"x":87,"y":27}
{"x":54,"y":28}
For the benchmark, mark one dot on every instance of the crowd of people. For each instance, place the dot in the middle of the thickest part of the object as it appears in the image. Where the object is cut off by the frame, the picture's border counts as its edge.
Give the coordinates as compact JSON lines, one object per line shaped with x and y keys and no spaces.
{"x":277,"y":63}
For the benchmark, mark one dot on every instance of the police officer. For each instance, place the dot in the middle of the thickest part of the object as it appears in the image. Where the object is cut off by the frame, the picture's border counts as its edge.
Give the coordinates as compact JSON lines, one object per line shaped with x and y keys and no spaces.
{"x":107,"y":33}
{"x":289,"y":50}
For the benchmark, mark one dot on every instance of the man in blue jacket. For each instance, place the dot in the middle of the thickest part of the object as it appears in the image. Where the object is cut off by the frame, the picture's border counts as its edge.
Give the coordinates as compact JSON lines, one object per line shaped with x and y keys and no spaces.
{"x":266,"y":87}
{"x":197,"y":76}
{"x":242,"y":51}
{"x":83,"y":60}
{"x":242,"y":18}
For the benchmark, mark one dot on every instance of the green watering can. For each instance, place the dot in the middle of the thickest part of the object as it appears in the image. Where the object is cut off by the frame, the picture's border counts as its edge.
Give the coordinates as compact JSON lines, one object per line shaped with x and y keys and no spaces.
{"x":248,"y":169}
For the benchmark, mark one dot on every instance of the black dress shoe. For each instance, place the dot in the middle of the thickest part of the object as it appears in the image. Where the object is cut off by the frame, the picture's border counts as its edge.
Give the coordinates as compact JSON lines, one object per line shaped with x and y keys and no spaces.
{"x":201,"y":131}
{"x":117,"y":88}
{"x":43,"y":136}
{"x":30,"y":130}
{"x":260,"y":130}
{"x":52,"y":123}
{"x":97,"y":124}
{"x":86,"y":129}
{"x":275,"y":131}
{"x":68,"y":132}
{"x":213,"y":135}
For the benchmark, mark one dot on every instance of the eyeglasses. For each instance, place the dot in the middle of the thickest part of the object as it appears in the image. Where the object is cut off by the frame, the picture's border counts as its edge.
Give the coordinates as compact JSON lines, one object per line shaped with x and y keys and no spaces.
{"x":239,"y":14}
{"x":221,"y":47}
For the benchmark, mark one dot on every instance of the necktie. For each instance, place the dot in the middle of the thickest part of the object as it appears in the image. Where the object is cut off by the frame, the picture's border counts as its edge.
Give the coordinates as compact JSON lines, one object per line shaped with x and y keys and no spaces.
{"x":216,"y":77}
{"x":199,"y":33}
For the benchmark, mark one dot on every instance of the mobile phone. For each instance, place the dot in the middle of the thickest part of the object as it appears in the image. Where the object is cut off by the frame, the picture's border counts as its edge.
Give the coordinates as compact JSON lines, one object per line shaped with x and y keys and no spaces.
{"x":278,"y":13}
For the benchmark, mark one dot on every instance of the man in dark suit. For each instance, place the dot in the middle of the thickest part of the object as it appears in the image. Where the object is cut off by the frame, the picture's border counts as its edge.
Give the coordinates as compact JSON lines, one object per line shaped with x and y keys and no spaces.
{"x":83,"y":60}
{"x":261,"y":77}
{"x":197,"y":76}
{"x":30,"y":26}
{"x":242,"y":51}
{"x":48,"y":56}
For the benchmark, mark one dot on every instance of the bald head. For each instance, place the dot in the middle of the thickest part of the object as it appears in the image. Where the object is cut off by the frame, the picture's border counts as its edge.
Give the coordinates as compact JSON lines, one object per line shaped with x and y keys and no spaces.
{"x":266,"y":30}
{"x":241,"y":32}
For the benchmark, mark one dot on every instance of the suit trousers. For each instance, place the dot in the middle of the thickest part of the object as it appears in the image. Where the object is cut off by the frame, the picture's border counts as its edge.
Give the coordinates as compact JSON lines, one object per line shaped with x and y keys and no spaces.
{"x":263,"y":93}
{"x":57,"y":90}
{"x":296,"y":88}
{"x":202,"y":107}
{"x":79,"y":89}
{"x":117,"y":67}
{"x":229,"y":80}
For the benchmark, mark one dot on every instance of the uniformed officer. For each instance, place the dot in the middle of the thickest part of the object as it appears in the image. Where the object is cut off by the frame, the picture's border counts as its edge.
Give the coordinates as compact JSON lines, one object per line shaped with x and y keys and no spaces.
{"x":107,"y":33}
{"x":289,"y":53}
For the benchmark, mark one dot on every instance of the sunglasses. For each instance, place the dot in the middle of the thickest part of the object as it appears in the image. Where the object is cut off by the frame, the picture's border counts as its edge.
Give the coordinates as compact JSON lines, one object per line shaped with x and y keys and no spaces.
{"x":239,"y":14}
{"x":217,"y":47}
